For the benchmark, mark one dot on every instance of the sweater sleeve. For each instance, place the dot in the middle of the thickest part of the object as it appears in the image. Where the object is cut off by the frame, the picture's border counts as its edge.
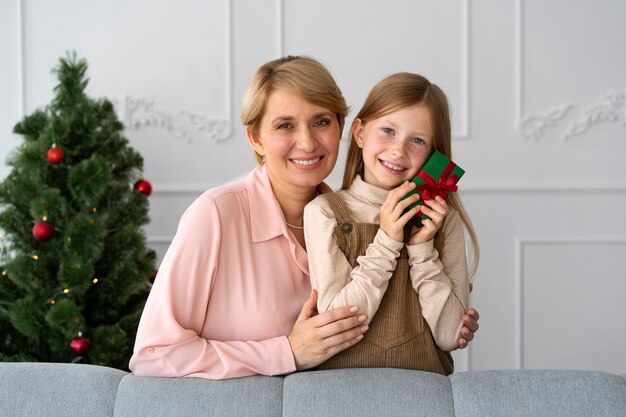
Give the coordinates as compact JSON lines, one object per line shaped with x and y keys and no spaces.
{"x":337,"y":282}
{"x":168,"y":342}
{"x":442,"y":282}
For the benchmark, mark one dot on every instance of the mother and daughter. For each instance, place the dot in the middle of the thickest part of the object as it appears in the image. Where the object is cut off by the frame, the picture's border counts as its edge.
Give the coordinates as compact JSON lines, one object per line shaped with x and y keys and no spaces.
{"x":236,"y":293}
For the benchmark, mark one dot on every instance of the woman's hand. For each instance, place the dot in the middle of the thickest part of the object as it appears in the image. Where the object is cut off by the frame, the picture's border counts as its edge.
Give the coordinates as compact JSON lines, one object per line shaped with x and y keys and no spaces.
{"x":392,"y":221}
{"x":437,"y":210}
{"x":470,"y":325}
{"x":315,"y":338}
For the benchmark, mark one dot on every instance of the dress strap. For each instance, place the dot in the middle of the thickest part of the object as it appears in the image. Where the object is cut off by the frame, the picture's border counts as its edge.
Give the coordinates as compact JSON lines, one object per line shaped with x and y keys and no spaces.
{"x":339,"y":207}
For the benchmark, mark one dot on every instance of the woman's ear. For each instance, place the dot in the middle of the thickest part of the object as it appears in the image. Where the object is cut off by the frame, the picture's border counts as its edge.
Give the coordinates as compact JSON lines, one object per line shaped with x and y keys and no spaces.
{"x":255,"y":142}
{"x":357,"y":131}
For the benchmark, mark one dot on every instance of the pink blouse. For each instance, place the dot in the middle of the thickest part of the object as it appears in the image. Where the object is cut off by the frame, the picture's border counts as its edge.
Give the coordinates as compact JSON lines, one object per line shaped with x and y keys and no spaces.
{"x":228,"y":291}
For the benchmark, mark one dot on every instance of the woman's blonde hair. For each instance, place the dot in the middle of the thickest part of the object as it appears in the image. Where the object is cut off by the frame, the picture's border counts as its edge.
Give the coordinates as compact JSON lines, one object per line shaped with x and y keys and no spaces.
{"x":301,"y":74}
{"x":402,"y":90}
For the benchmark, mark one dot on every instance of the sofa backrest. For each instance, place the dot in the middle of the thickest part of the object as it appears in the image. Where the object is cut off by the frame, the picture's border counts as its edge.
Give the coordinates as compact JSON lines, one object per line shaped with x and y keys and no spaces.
{"x":367,"y":392}
{"x":538,"y":393}
{"x":72,"y":390}
{"x":180,"y":397}
{"x":57,"y":390}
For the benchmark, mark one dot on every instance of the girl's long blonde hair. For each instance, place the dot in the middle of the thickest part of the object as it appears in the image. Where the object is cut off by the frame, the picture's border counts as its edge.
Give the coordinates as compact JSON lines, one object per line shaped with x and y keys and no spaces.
{"x":402,"y":90}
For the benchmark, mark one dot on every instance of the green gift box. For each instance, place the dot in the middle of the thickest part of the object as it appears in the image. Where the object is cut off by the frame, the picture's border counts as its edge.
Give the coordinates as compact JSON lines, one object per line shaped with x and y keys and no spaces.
{"x":438,"y":177}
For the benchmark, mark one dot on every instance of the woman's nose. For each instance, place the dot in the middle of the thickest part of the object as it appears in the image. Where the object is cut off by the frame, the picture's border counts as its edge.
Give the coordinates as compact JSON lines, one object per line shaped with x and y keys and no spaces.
{"x":307,"y":141}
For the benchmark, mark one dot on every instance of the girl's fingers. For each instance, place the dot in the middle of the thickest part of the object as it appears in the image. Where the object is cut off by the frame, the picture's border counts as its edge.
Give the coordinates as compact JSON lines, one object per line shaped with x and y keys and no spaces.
{"x":404,"y":204}
{"x":438,"y":204}
{"x":395,"y":203}
{"x":434,"y":215}
{"x":428,"y":227}
{"x":400,"y":191}
{"x":406,"y":217}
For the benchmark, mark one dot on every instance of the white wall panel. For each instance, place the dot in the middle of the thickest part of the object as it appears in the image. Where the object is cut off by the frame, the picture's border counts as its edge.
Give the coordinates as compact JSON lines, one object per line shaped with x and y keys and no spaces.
{"x":506,"y":219}
{"x":562,"y":276}
{"x":538,"y":97}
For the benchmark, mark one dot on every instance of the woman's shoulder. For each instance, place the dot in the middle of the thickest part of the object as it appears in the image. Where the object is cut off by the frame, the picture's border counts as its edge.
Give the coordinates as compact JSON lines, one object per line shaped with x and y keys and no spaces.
{"x":220,"y":198}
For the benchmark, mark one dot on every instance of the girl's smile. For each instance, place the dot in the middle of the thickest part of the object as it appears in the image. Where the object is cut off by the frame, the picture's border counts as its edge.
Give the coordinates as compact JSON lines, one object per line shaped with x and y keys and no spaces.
{"x":394,"y":146}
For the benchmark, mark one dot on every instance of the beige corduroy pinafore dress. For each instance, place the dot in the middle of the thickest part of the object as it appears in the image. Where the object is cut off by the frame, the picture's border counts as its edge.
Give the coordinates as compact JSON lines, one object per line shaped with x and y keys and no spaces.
{"x":398,"y":336}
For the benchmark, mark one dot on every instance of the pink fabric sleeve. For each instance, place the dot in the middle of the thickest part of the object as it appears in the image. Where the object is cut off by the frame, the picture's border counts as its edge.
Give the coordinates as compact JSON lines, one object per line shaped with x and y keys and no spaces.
{"x":168,"y":340}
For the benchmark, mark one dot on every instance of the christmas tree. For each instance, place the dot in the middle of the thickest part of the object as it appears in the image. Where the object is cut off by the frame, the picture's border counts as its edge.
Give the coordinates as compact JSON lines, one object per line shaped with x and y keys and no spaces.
{"x":74,"y":266}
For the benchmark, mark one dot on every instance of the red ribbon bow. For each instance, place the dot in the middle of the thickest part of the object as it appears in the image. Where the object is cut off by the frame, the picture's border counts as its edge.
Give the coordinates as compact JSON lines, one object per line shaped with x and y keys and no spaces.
{"x":445,"y":184}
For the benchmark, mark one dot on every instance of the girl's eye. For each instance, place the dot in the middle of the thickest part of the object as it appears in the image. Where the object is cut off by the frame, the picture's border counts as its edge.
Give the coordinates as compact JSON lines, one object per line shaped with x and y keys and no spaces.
{"x":418,"y":141}
{"x":387,"y":130}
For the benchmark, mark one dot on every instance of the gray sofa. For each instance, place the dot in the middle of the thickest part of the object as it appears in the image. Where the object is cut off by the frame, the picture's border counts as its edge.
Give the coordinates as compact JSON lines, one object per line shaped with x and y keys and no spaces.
{"x":51,"y":390}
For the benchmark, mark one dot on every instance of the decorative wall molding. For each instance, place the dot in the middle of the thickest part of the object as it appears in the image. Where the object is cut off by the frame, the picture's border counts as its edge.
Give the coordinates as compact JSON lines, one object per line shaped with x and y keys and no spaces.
{"x":217,"y":129}
{"x":280,"y":29}
{"x":20,"y":58}
{"x":530,"y":186}
{"x":464,"y":133}
{"x":483,"y":187}
{"x":533,"y":127}
{"x":611,"y":107}
{"x":520,"y":244}
{"x":139,"y":113}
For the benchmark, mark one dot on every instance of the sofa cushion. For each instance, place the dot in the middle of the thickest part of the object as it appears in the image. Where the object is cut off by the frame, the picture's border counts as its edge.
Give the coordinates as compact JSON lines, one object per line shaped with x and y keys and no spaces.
{"x":538,"y":393}
{"x":57,"y":389}
{"x":180,"y":397}
{"x":367,"y":392}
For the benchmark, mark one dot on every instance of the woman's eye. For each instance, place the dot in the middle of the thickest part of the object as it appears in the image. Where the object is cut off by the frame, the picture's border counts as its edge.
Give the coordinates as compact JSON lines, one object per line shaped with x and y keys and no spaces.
{"x":387,"y":130}
{"x":284,"y":126}
{"x":322,"y":122}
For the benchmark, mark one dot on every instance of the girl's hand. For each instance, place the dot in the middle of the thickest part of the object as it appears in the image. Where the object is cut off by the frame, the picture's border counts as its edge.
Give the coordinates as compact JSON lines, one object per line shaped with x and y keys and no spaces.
{"x":437,"y":210}
{"x":315,"y":338}
{"x":392,"y":221}
{"x":470,"y":325}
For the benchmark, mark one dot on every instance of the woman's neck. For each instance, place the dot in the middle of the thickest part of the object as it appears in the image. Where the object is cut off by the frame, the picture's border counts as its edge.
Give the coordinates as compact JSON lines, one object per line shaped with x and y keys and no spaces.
{"x":292,"y":203}
{"x":292,"y":200}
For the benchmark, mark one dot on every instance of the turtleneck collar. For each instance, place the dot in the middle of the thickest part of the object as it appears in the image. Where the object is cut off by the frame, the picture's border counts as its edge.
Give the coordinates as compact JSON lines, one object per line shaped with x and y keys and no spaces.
{"x":368,"y":192}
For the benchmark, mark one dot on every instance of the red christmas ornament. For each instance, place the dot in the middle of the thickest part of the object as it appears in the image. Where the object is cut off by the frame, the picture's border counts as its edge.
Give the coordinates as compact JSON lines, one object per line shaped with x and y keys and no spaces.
{"x":143,"y":187}
{"x":43,"y":230}
{"x":56,"y":155}
{"x":79,"y":345}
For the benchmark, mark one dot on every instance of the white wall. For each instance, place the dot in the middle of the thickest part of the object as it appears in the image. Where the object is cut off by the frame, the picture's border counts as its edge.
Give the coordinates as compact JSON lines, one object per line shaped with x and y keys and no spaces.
{"x":537,"y":90}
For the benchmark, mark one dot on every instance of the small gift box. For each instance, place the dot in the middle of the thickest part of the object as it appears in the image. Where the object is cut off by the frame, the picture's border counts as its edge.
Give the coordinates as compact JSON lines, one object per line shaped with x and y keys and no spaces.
{"x":438,"y":177}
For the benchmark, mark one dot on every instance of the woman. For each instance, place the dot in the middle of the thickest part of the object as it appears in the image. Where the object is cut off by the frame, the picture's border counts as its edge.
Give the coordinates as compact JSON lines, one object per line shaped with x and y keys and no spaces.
{"x":234,"y":280}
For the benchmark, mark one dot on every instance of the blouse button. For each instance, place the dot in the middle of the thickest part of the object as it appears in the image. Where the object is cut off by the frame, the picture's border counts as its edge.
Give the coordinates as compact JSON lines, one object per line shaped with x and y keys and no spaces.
{"x":151,"y":349}
{"x":346,"y":227}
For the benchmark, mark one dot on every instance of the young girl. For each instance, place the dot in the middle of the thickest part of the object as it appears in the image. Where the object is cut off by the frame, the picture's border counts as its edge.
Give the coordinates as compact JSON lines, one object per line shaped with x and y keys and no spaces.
{"x":364,"y":251}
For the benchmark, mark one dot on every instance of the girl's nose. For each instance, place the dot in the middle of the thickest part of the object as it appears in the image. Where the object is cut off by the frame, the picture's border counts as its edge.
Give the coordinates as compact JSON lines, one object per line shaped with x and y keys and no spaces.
{"x":397,"y":147}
